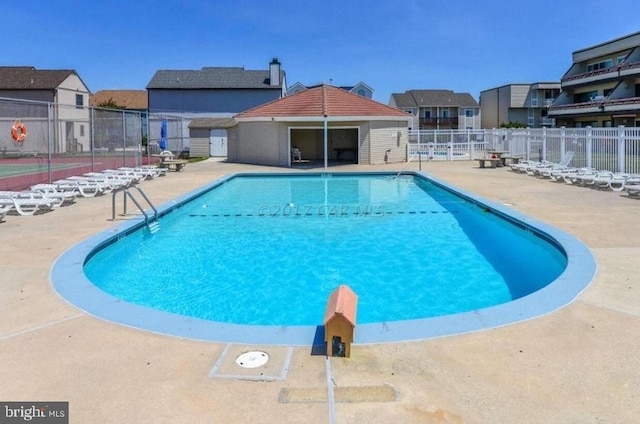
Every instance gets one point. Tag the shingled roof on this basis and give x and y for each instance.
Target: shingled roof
(128, 99)
(433, 98)
(323, 101)
(213, 77)
(30, 78)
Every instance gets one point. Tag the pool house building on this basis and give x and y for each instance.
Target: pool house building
(325, 124)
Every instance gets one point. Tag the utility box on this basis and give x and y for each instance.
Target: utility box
(340, 321)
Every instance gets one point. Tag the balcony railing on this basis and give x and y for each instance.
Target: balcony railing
(616, 71)
(589, 74)
(438, 122)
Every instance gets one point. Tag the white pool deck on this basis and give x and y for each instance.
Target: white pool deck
(579, 364)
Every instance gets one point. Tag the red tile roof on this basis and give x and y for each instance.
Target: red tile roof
(343, 301)
(323, 101)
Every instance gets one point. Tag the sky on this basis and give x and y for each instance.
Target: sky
(392, 46)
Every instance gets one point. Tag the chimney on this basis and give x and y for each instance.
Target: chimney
(274, 72)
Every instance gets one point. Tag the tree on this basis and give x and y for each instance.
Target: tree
(110, 104)
(512, 125)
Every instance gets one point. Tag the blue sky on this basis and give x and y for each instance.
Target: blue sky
(393, 46)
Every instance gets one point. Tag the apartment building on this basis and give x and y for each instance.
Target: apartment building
(602, 86)
(438, 109)
(523, 104)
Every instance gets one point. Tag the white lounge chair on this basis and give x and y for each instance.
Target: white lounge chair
(559, 175)
(156, 170)
(67, 195)
(27, 202)
(544, 169)
(522, 165)
(115, 180)
(633, 189)
(580, 176)
(133, 176)
(143, 173)
(4, 210)
(615, 181)
(85, 188)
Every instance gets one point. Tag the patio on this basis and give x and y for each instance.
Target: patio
(578, 364)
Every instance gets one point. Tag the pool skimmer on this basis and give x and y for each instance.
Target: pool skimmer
(252, 359)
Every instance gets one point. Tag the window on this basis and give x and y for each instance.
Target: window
(551, 94)
(361, 92)
(584, 97)
(79, 101)
(468, 113)
(81, 130)
(427, 114)
(605, 64)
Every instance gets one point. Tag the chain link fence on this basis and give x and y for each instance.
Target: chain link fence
(43, 142)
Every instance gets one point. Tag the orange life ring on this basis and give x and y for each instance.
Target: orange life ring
(19, 131)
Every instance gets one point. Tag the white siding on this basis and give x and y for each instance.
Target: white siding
(199, 143)
(259, 143)
(388, 135)
(71, 118)
(519, 95)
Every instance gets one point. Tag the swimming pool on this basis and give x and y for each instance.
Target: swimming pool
(281, 236)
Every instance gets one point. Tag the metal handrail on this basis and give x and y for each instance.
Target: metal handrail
(126, 193)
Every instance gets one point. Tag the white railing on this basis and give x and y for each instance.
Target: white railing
(446, 145)
(613, 149)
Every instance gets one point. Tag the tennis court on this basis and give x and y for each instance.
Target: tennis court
(21, 173)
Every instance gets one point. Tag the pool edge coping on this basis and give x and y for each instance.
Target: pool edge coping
(69, 282)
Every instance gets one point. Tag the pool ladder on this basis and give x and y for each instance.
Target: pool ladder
(407, 164)
(150, 220)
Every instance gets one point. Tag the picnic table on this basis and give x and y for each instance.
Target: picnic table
(493, 162)
(168, 161)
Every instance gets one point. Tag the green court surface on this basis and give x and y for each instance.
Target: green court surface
(14, 169)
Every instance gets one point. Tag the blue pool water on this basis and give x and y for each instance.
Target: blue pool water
(268, 250)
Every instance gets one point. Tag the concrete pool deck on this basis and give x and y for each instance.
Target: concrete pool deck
(579, 364)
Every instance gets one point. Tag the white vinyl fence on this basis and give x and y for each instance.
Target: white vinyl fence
(613, 149)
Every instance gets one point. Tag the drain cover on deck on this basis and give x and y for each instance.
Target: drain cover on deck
(252, 359)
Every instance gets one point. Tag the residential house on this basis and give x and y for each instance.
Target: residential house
(524, 104)
(321, 125)
(215, 91)
(64, 90)
(602, 86)
(212, 92)
(130, 100)
(361, 89)
(438, 109)
(135, 100)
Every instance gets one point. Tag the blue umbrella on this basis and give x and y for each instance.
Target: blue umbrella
(163, 135)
